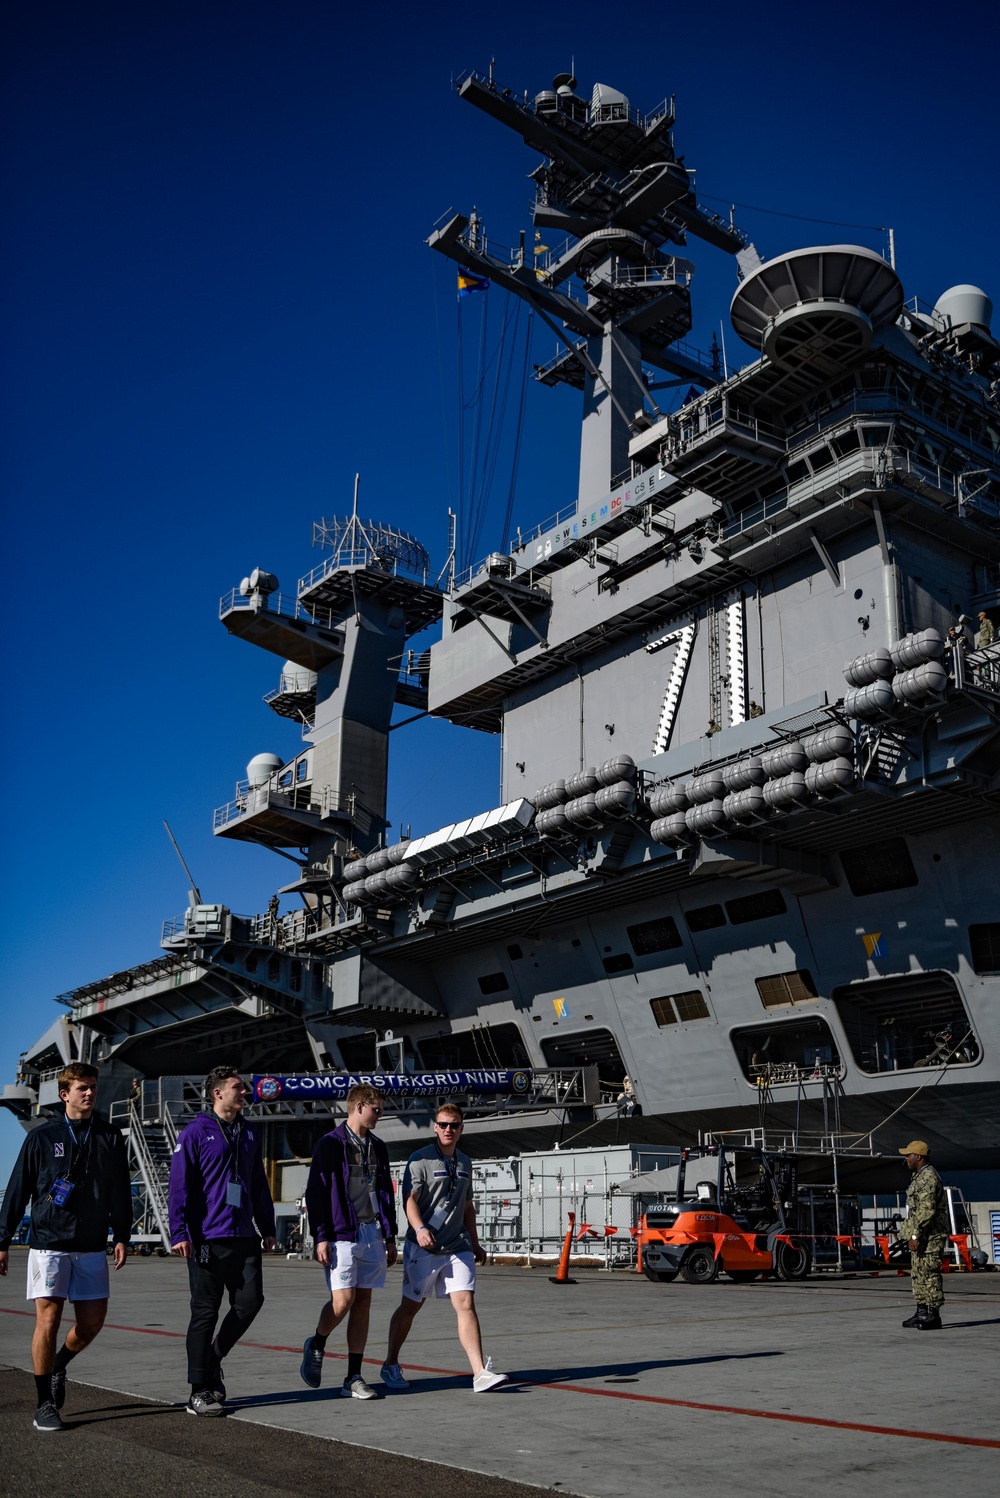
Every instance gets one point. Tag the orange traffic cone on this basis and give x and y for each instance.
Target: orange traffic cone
(561, 1276)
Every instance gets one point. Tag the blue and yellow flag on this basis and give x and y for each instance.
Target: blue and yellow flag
(468, 283)
(874, 945)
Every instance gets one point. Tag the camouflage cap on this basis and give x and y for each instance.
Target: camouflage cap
(915, 1147)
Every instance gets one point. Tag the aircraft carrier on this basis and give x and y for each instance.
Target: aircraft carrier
(743, 870)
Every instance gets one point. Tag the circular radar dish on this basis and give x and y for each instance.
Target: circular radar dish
(817, 307)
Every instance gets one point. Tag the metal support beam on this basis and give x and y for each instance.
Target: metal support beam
(825, 558)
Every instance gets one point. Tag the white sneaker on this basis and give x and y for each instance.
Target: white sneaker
(356, 1388)
(392, 1376)
(487, 1380)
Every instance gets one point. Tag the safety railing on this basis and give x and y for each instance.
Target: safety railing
(281, 604)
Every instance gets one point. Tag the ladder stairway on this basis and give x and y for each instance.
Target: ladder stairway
(150, 1146)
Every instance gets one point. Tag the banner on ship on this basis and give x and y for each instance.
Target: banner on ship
(333, 1086)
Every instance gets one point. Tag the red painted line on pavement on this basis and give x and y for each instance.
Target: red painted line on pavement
(661, 1399)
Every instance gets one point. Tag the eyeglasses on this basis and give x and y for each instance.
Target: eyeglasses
(446, 1125)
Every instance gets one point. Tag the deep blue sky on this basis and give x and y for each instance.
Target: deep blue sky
(217, 305)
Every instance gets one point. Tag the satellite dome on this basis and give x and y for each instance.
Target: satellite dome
(964, 304)
(262, 767)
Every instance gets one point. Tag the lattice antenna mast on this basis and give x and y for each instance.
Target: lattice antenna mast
(614, 293)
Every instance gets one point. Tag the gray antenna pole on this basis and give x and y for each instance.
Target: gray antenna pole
(194, 893)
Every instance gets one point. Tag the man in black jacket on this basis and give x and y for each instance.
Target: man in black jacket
(74, 1170)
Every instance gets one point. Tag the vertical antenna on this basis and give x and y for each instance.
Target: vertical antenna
(892, 248)
(725, 366)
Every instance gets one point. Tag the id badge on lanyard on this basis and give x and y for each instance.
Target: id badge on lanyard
(60, 1192)
(234, 1194)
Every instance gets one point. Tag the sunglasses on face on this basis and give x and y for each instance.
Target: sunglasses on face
(447, 1125)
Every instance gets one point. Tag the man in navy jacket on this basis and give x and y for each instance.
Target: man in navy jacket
(220, 1209)
(74, 1169)
(352, 1214)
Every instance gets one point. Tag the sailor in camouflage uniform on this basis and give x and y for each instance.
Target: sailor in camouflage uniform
(927, 1229)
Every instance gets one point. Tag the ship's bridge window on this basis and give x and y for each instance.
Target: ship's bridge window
(679, 1006)
(654, 936)
(483, 1046)
(820, 459)
(876, 436)
(984, 941)
(592, 1048)
(756, 907)
(493, 983)
(791, 1051)
(877, 867)
(796, 472)
(302, 769)
(917, 1020)
(780, 989)
(846, 442)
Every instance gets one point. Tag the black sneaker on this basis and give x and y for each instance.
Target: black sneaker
(47, 1418)
(59, 1388)
(311, 1369)
(205, 1405)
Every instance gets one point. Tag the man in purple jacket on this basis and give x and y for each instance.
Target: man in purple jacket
(220, 1208)
(352, 1214)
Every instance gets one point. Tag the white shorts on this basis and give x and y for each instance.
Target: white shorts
(54, 1274)
(426, 1274)
(360, 1265)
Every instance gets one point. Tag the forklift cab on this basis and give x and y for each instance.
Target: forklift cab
(739, 1224)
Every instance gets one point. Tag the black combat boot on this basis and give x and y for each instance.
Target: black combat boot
(930, 1319)
(917, 1317)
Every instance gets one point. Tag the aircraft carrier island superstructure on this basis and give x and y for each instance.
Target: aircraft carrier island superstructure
(744, 868)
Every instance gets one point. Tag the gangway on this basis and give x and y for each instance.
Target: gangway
(150, 1136)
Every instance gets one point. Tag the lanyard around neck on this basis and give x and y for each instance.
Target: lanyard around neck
(364, 1149)
(81, 1143)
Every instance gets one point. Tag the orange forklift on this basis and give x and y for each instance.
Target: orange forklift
(746, 1223)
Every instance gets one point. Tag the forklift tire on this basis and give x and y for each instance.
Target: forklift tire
(700, 1267)
(743, 1276)
(791, 1261)
(660, 1276)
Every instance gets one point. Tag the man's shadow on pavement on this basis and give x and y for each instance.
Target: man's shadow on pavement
(611, 1372)
(440, 1383)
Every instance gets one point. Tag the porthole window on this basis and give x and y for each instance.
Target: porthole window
(654, 936)
(779, 989)
(494, 983)
(757, 907)
(689, 1005)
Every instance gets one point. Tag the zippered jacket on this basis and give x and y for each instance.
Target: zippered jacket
(203, 1166)
(332, 1217)
(101, 1195)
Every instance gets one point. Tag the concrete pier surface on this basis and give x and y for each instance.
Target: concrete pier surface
(618, 1386)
